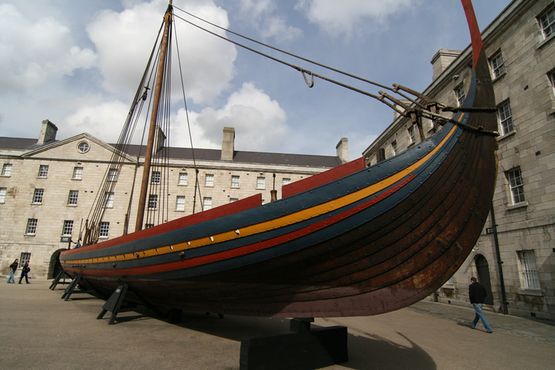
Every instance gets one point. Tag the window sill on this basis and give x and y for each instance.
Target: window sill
(29, 234)
(506, 136)
(531, 292)
(72, 179)
(36, 204)
(517, 206)
(545, 41)
(181, 184)
(5, 175)
(499, 78)
(72, 205)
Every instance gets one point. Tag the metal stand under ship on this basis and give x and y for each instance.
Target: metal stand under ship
(354, 240)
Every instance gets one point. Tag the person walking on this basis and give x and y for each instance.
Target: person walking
(24, 272)
(477, 294)
(11, 273)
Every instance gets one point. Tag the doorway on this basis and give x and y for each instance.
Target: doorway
(483, 276)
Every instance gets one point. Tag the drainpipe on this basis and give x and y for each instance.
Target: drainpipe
(504, 302)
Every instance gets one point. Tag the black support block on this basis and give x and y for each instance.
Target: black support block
(313, 348)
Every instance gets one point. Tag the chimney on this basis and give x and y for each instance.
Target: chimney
(47, 132)
(228, 144)
(441, 60)
(342, 149)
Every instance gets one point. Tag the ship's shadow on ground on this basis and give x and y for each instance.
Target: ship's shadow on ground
(366, 350)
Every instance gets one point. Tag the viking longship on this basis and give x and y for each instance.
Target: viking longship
(354, 240)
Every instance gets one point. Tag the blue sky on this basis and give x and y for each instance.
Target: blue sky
(77, 63)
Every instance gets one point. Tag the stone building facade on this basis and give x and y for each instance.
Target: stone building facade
(47, 187)
(520, 44)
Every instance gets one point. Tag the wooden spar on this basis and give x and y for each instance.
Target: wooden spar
(153, 118)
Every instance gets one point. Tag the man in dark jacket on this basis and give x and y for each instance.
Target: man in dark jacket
(477, 294)
(24, 272)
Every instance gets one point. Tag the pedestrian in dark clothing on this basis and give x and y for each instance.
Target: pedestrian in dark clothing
(477, 294)
(11, 273)
(24, 271)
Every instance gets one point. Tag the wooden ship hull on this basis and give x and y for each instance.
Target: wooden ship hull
(354, 240)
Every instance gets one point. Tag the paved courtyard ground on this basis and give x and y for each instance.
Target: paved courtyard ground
(38, 330)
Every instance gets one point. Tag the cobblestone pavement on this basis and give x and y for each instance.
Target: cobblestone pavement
(41, 331)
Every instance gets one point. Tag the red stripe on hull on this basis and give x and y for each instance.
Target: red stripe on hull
(226, 209)
(323, 178)
(237, 252)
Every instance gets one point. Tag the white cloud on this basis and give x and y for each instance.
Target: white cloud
(259, 122)
(344, 17)
(262, 15)
(103, 120)
(35, 51)
(124, 40)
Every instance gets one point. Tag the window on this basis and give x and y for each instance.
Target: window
(43, 171)
(67, 229)
(2, 195)
(180, 203)
(148, 226)
(104, 229)
(528, 272)
(182, 179)
(73, 197)
(459, 93)
(261, 182)
(77, 173)
(285, 181)
(109, 199)
(235, 182)
(37, 196)
(7, 169)
(394, 147)
(155, 177)
(412, 135)
(113, 175)
(547, 21)
(209, 180)
(497, 65)
(551, 76)
(24, 258)
(206, 203)
(516, 186)
(83, 147)
(381, 155)
(505, 117)
(31, 228)
(152, 201)
(231, 200)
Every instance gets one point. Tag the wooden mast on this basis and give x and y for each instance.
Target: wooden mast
(154, 116)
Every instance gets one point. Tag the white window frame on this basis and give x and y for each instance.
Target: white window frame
(231, 199)
(546, 21)
(67, 228)
(394, 148)
(505, 117)
(460, 94)
(516, 185)
(206, 203)
(38, 196)
(73, 197)
(113, 175)
(31, 227)
(180, 203)
(109, 199)
(209, 180)
(527, 269)
(412, 134)
(43, 171)
(235, 181)
(3, 192)
(7, 170)
(551, 77)
(497, 65)
(152, 201)
(260, 182)
(155, 177)
(103, 229)
(285, 181)
(77, 173)
(182, 178)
